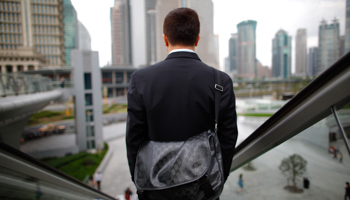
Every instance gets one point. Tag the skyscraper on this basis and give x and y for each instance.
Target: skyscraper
(281, 55)
(300, 53)
(232, 53)
(31, 27)
(71, 33)
(121, 33)
(227, 65)
(262, 71)
(139, 38)
(84, 38)
(312, 67)
(347, 27)
(247, 49)
(216, 52)
(328, 44)
(204, 9)
(151, 31)
(48, 29)
(341, 46)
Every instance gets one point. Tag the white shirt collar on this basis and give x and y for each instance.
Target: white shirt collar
(182, 50)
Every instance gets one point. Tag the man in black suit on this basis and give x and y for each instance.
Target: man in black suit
(173, 100)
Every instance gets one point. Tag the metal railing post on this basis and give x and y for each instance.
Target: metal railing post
(341, 129)
(3, 89)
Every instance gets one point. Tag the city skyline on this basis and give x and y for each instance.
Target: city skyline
(301, 14)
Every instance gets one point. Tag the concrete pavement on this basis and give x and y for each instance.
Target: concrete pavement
(327, 176)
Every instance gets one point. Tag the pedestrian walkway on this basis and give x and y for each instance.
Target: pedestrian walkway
(327, 176)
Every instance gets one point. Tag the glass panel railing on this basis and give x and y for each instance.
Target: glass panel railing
(23, 177)
(281, 174)
(17, 84)
(15, 185)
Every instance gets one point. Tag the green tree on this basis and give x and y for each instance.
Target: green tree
(293, 167)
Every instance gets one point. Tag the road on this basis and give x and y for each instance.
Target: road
(70, 124)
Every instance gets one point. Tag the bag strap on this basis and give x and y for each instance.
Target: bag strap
(218, 90)
(204, 182)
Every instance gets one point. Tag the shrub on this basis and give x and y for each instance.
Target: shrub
(89, 161)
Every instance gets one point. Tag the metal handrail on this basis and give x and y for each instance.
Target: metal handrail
(21, 163)
(313, 103)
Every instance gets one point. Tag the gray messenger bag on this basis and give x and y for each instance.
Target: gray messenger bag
(185, 170)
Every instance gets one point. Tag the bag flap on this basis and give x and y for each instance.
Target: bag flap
(162, 165)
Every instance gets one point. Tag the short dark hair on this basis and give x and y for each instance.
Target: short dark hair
(181, 26)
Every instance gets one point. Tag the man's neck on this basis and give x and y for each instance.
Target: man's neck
(171, 47)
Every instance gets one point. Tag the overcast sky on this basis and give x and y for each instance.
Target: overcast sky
(271, 16)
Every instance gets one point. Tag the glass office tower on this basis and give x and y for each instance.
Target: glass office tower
(328, 44)
(247, 49)
(300, 53)
(70, 22)
(232, 52)
(282, 55)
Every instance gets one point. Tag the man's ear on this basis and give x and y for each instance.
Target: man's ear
(166, 40)
(199, 37)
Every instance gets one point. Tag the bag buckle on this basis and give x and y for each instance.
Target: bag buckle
(203, 179)
(219, 87)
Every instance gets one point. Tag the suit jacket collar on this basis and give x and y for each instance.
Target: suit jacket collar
(183, 55)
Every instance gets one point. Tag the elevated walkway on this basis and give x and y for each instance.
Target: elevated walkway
(22, 95)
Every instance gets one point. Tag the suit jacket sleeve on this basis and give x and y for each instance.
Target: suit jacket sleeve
(136, 127)
(227, 127)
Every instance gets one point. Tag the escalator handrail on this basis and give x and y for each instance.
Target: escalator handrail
(38, 164)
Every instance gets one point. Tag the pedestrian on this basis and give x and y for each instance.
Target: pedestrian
(240, 183)
(173, 100)
(341, 157)
(335, 153)
(347, 191)
(62, 82)
(127, 194)
(98, 179)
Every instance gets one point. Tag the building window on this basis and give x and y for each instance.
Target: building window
(90, 131)
(110, 92)
(119, 77)
(106, 77)
(90, 144)
(129, 76)
(87, 81)
(120, 92)
(89, 115)
(88, 99)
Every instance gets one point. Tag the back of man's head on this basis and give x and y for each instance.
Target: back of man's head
(181, 26)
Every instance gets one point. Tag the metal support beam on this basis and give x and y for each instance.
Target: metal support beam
(341, 129)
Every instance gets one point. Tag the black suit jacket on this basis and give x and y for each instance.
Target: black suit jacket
(173, 100)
